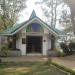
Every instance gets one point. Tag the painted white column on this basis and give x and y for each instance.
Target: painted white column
(21, 46)
(23, 49)
(49, 42)
(45, 45)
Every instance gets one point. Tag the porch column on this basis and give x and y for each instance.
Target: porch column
(22, 43)
(45, 45)
(52, 42)
(14, 42)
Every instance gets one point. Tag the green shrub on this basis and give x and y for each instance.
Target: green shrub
(65, 48)
(4, 47)
(61, 54)
(71, 47)
(4, 50)
(64, 68)
(59, 50)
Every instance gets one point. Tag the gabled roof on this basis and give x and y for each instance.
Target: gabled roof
(14, 29)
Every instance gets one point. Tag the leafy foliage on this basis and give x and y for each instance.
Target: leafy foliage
(65, 48)
(65, 20)
(68, 49)
(72, 46)
(71, 4)
(9, 12)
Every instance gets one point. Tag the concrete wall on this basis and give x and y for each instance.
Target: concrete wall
(46, 44)
(19, 44)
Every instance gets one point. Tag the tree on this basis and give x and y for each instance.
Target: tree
(50, 10)
(71, 4)
(65, 22)
(9, 12)
(65, 19)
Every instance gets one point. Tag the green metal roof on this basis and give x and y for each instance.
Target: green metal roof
(12, 29)
(33, 15)
(58, 31)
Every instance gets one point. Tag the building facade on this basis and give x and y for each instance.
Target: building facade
(31, 37)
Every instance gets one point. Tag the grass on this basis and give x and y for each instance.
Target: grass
(72, 72)
(27, 68)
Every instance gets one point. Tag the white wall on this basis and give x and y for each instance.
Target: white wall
(23, 46)
(49, 41)
(46, 44)
(19, 44)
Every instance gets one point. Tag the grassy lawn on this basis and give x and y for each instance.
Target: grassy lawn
(27, 68)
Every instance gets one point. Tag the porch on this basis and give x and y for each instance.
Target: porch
(24, 44)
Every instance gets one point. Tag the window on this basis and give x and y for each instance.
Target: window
(34, 27)
(23, 41)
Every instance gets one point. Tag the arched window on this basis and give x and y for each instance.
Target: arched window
(34, 27)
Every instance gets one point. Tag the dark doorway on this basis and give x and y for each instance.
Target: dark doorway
(34, 44)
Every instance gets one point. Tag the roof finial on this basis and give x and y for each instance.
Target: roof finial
(33, 14)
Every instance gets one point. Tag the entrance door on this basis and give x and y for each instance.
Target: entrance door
(34, 44)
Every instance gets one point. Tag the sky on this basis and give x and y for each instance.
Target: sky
(25, 14)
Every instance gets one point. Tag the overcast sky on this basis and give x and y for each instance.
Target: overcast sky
(25, 14)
